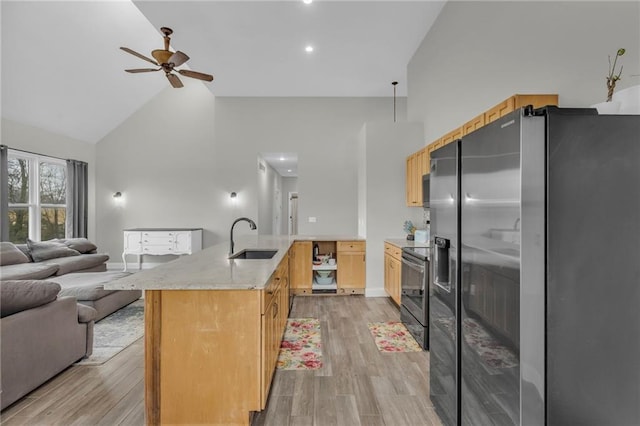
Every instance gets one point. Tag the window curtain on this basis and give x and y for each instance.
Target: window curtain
(4, 193)
(77, 198)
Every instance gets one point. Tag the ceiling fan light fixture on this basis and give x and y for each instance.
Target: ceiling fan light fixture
(162, 56)
(167, 61)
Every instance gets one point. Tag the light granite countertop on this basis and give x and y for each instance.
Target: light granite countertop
(210, 269)
(403, 242)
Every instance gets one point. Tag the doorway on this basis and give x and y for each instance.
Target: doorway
(293, 213)
(277, 182)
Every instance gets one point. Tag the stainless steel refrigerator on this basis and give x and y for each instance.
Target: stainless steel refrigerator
(535, 278)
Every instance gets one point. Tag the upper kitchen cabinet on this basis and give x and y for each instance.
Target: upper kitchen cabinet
(451, 136)
(417, 165)
(473, 124)
(415, 169)
(518, 101)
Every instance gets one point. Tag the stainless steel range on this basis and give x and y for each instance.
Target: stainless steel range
(414, 309)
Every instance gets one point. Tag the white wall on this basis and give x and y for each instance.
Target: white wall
(479, 53)
(322, 131)
(384, 148)
(177, 159)
(28, 138)
(163, 160)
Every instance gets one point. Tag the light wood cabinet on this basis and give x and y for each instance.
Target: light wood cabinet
(393, 271)
(351, 259)
(418, 165)
(225, 341)
(300, 267)
(451, 136)
(518, 101)
(414, 199)
(473, 124)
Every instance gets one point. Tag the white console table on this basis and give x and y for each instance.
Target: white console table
(160, 241)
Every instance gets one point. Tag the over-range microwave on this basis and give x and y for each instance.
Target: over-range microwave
(425, 191)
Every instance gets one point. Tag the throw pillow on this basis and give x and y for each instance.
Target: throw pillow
(11, 255)
(17, 296)
(80, 244)
(51, 249)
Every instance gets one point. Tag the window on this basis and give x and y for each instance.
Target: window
(37, 197)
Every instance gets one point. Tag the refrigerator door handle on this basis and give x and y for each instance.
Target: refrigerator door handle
(441, 264)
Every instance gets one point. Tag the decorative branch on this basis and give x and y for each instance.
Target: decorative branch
(613, 78)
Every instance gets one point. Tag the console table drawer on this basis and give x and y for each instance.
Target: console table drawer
(158, 234)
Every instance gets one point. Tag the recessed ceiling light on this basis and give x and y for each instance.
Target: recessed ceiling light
(308, 49)
(281, 158)
(289, 171)
(307, 1)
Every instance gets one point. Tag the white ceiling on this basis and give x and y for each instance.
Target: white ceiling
(62, 69)
(285, 163)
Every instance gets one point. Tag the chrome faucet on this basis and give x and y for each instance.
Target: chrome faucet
(515, 225)
(252, 225)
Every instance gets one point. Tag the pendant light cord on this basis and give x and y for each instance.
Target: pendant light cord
(394, 84)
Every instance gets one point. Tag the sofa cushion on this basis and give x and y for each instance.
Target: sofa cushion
(76, 263)
(17, 296)
(87, 285)
(25, 249)
(11, 255)
(27, 271)
(43, 250)
(81, 245)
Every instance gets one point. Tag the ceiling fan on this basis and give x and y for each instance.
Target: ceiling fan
(167, 60)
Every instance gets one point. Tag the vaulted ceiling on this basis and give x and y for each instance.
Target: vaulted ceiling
(62, 69)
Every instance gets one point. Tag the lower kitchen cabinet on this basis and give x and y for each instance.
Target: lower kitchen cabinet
(393, 271)
(300, 267)
(225, 341)
(351, 260)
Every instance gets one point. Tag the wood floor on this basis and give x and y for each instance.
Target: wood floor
(358, 385)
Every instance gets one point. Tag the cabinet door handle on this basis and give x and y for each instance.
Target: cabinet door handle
(276, 308)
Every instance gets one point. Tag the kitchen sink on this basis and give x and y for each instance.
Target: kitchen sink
(256, 254)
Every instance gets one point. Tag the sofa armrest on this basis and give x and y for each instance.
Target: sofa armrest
(86, 313)
(39, 343)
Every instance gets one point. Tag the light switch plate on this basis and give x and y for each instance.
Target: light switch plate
(312, 219)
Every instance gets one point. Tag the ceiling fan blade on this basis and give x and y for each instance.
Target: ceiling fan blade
(195, 74)
(174, 80)
(143, 70)
(139, 55)
(178, 58)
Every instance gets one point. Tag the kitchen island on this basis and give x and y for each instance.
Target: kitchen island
(213, 328)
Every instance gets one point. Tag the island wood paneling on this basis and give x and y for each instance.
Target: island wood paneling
(206, 362)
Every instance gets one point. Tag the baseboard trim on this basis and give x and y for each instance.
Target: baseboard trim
(375, 292)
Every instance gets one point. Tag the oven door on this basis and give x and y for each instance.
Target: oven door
(414, 272)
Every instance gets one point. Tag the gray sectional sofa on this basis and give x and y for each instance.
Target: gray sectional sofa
(67, 262)
(42, 334)
(51, 293)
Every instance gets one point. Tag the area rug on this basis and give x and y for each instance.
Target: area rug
(393, 336)
(493, 353)
(301, 347)
(115, 332)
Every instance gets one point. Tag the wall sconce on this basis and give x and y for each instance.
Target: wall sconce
(118, 198)
(233, 195)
